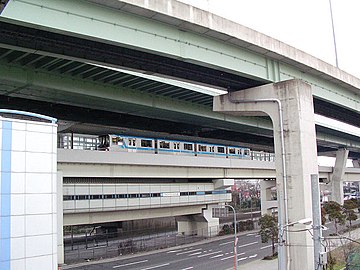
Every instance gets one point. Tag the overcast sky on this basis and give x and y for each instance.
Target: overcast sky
(304, 24)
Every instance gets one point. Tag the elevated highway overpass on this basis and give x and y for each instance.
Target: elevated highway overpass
(89, 63)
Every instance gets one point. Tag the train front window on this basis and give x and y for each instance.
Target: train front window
(104, 141)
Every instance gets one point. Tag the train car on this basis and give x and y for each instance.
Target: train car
(124, 143)
(172, 147)
(214, 150)
(238, 152)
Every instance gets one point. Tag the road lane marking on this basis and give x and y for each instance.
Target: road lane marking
(267, 246)
(226, 243)
(189, 251)
(216, 256)
(249, 244)
(194, 254)
(177, 250)
(188, 268)
(232, 256)
(121, 265)
(209, 254)
(156, 266)
(241, 259)
(253, 256)
(251, 234)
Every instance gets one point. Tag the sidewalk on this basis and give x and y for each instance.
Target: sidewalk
(260, 265)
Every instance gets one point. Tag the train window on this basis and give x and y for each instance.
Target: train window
(68, 197)
(176, 145)
(120, 141)
(238, 152)
(155, 194)
(231, 150)
(131, 142)
(184, 193)
(164, 144)
(247, 152)
(202, 148)
(146, 143)
(221, 149)
(133, 195)
(96, 197)
(114, 140)
(188, 146)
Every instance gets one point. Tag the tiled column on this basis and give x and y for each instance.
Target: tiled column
(28, 195)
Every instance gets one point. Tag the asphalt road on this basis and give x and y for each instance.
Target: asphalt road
(214, 255)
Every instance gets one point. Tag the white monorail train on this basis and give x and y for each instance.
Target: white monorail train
(125, 143)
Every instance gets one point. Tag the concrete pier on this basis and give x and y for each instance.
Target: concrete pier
(290, 107)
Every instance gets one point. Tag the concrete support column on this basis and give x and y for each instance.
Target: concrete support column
(267, 205)
(295, 153)
(356, 163)
(337, 192)
(202, 225)
(60, 227)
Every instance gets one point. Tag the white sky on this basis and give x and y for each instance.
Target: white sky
(304, 24)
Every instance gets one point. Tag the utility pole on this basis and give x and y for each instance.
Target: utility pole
(315, 192)
(235, 238)
(333, 31)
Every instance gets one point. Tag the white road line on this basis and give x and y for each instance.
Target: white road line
(227, 258)
(241, 259)
(256, 236)
(177, 250)
(251, 234)
(253, 256)
(232, 256)
(209, 254)
(249, 244)
(216, 256)
(156, 266)
(189, 251)
(121, 265)
(266, 246)
(194, 254)
(187, 268)
(226, 243)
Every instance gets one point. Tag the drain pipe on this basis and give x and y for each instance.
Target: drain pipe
(283, 202)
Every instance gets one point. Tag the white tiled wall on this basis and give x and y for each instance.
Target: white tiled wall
(33, 221)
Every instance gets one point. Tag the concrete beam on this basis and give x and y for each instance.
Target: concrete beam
(290, 106)
(114, 216)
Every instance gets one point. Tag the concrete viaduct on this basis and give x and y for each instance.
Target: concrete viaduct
(127, 64)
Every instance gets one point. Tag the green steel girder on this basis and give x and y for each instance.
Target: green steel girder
(40, 85)
(95, 22)
(66, 89)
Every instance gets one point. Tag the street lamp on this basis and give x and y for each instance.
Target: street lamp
(235, 238)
